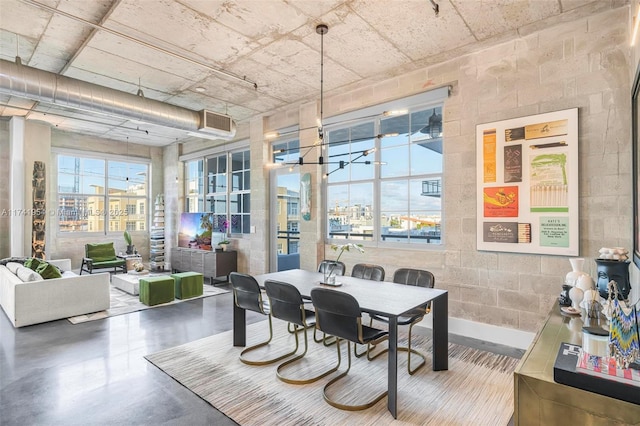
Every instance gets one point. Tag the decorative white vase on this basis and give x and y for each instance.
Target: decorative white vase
(576, 271)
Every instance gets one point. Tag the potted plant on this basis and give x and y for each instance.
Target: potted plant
(127, 239)
(224, 225)
(329, 273)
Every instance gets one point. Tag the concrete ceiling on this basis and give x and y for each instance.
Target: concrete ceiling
(171, 48)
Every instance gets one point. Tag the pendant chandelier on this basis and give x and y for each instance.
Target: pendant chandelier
(323, 29)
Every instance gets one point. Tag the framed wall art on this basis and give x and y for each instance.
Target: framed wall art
(527, 184)
(635, 131)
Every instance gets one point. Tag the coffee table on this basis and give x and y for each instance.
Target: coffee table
(130, 282)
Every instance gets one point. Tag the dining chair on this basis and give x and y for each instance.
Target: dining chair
(338, 314)
(368, 271)
(247, 295)
(415, 277)
(338, 267)
(287, 304)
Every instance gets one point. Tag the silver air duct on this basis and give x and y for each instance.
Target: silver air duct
(43, 86)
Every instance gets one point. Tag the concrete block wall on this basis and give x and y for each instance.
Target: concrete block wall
(582, 64)
(173, 196)
(586, 63)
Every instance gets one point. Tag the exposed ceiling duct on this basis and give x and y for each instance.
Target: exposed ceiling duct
(43, 86)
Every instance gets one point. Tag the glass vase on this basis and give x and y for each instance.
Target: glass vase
(329, 274)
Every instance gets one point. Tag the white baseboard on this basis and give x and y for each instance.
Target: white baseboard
(481, 331)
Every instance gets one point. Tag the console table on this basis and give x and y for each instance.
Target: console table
(211, 264)
(539, 400)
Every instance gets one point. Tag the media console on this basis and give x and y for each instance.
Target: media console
(211, 264)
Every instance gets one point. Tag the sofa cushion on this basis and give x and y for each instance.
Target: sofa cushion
(48, 271)
(101, 252)
(109, 263)
(33, 263)
(13, 267)
(27, 275)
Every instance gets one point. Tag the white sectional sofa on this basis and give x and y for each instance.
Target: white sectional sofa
(27, 303)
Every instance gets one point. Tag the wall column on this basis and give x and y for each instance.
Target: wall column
(17, 184)
(311, 235)
(259, 248)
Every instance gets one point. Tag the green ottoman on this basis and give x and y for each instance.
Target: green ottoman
(188, 284)
(156, 290)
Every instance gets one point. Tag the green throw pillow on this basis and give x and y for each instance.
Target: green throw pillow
(33, 263)
(48, 271)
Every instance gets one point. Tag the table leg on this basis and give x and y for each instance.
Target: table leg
(392, 369)
(239, 326)
(440, 354)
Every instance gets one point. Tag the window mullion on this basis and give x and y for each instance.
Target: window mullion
(376, 187)
(107, 199)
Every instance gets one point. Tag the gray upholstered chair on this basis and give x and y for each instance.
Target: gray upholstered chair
(420, 278)
(368, 271)
(247, 295)
(338, 314)
(287, 304)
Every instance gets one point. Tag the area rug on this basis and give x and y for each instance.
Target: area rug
(477, 389)
(125, 303)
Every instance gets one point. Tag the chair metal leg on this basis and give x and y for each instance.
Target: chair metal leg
(297, 358)
(265, 343)
(370, 347)
(410, 351)
(340, 405)
(407, 349)
(325, 340)
(291, 327)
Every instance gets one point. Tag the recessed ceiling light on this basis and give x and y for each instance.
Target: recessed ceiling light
(200, 89)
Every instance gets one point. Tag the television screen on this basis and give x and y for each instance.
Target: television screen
(195, 231)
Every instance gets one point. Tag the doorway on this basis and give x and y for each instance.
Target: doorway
(285, 220)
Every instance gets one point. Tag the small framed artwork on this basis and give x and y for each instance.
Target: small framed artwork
(635, 131)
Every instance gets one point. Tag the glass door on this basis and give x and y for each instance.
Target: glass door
(285, 219)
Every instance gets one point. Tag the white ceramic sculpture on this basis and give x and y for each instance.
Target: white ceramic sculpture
(576, 295)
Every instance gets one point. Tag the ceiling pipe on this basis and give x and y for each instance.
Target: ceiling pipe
(43, 86)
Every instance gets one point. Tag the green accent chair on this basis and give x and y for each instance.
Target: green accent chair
(188, 284)
(156, 290)
(102, 256)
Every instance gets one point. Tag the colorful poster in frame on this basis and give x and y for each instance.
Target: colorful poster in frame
(527, 184)
(635, 117)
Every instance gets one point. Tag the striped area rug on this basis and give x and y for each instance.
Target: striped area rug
(125, 303)
(477, 389)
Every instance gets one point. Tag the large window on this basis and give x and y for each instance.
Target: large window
(384, 179)
(225, 191)
(93, 192)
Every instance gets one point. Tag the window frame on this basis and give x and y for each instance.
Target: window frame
(203, 196)
(106, 158)
(425, 101)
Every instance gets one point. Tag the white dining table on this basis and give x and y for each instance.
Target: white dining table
(382, 298)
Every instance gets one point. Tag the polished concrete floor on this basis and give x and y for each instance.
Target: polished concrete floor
(95, 373)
